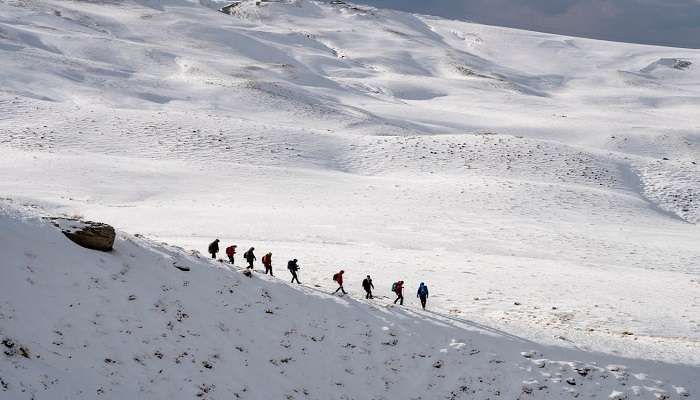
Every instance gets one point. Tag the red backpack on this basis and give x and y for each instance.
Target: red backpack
(230, 250)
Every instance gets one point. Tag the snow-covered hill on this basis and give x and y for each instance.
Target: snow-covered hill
(81, 324)
(501, 166)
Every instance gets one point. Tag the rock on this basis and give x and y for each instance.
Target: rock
(88, 234)
(530, 386)
(181, 267)
(682, 64)
(528, 354)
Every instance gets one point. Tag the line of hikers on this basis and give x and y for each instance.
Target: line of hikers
(293, 267)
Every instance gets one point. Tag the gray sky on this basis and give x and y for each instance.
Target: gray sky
(664, 22)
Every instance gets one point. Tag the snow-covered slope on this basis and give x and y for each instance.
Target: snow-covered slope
(500, 166)
(82, 324)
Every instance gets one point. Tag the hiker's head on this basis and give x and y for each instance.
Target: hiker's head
(342, 272)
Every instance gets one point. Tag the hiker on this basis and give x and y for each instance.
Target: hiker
(250, 257)
(230, 252)
(338, 278)
(397, 288)
(214, 248)
(293, 268)
(267, 262)
(422, 294)
(368, 286)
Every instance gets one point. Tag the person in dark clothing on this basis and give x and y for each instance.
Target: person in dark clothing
(368, 286)
(422, 294)
(398, 289)
(267, 262)
(214, 248)
(250, 257)
(293, 267)
(230, 252)
(338, 278)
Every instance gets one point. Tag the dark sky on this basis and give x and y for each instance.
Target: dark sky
(665, 22)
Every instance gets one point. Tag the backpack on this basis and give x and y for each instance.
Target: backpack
(393, 286)
(335, 277)
(423, 290)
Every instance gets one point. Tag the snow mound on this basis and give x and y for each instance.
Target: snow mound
(130, 324)
(673, 63)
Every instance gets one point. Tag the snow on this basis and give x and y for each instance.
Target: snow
(128, 324)
(544, 187)
(67, 225)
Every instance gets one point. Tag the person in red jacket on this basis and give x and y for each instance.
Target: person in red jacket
(339, 280)
(398, 289)
(230, 252)
(267, 262)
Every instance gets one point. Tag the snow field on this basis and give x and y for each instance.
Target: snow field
(497, 165)
(87, 324)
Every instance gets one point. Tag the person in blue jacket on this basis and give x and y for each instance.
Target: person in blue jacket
(423, 294)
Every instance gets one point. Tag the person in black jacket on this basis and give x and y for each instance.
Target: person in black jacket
(214, 248)
(368, 286)
(293, 267)
(250, 257)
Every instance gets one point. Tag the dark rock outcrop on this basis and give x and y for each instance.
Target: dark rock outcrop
(88, 234)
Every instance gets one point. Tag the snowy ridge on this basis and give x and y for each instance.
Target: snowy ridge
(85, 324)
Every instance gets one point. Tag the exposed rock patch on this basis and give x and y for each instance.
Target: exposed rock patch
(88, 234)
